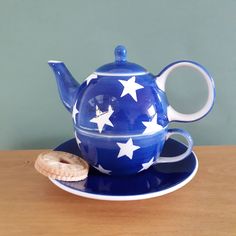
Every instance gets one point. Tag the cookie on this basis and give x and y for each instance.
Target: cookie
(62, 166)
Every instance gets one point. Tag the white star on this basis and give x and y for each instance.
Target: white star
(101, 169)
(91, 77)
(151, 110)
(98, 111)
(147, 165)
(130, 87)
(152, 126)
(127, 149)
(77, 139)
(102, 118)
(74, 112)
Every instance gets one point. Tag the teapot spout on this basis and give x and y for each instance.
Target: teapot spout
(67, 86)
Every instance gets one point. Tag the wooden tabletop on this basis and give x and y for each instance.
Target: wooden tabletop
(31, 205)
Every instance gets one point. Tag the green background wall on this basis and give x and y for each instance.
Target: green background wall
(84, 33)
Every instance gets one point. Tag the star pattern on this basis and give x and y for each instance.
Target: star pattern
(147, 165)
(102, 118)
(152, 126)
(74, 112)
(130, 87)
(91, 77)
(101, 169)
(127, 149)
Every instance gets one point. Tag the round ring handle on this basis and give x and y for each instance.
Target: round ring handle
(174, 115)
(180, 157)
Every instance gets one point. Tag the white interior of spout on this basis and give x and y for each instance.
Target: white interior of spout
(52, 61)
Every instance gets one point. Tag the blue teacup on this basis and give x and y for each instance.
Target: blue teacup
(125, 155)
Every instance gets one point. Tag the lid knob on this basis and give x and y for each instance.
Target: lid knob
(120, 54)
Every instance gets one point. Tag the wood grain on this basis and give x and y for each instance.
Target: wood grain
(31, 205)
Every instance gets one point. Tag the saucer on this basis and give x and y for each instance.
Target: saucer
(158, 180)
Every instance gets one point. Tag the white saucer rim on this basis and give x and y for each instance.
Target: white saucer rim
(129, 197)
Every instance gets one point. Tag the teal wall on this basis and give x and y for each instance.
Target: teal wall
(84, 33)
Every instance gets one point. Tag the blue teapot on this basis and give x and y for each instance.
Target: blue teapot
(121, 113)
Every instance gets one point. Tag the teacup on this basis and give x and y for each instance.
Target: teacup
(125, 155)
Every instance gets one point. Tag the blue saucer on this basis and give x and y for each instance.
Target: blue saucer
(158, 180)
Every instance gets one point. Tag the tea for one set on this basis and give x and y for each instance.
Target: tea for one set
(120, 115)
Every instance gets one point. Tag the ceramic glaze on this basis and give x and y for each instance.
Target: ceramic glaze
(121, 113)
(118, 105)
(158, 180)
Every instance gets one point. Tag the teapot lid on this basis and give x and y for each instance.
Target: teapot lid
(121, 67)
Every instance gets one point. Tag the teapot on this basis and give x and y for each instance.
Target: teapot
(121, 113)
